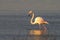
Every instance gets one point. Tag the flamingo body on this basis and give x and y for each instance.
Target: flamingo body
(39, 20)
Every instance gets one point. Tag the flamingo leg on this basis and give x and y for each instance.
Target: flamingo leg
(45, 29)
(39, 26)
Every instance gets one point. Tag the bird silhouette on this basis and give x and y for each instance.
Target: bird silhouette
(39, 21)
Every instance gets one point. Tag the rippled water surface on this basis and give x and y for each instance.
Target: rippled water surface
(17, 27)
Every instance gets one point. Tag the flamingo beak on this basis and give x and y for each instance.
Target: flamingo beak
(28, 15)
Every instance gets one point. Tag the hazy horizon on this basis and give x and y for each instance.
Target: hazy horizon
(22, 6)
(30, 4)
(25, 12)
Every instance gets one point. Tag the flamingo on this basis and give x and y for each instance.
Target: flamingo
(39, 21)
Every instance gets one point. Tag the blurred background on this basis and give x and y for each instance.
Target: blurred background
(15, 24)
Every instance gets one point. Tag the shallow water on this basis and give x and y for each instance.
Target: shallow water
(17, 27)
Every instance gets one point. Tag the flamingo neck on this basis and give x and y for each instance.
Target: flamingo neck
(31, 21)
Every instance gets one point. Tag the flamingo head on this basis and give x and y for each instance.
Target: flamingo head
(30, 12)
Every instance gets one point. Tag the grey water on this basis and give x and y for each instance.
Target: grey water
(17, 27)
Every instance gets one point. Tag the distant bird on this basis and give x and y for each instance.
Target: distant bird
(39, 21)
